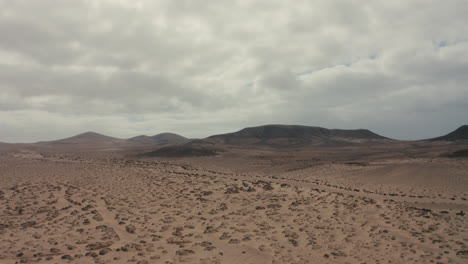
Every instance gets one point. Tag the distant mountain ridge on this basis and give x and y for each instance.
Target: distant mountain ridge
(296, 135)
(280, 135)
(87, 137)
(96, 138)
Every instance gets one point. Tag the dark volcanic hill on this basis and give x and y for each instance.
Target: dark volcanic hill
(460, 133)
(88, 138)
(296, 135)
(159, 139)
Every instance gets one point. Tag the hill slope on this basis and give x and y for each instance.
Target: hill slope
(159, 139)
(296, 135)
(460, 133)
(88, 138)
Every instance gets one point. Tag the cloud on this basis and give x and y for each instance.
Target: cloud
(134, 67)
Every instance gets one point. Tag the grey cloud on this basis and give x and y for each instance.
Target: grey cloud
(142, 66)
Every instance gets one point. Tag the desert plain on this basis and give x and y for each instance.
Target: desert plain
(99, 200)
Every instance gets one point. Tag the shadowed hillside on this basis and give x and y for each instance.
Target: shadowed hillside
(296, 135)
(184, 150)
(460, 133)
(159, 139)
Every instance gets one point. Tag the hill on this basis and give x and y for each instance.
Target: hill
(460, 133)
(88, 138)
(159, 139)
(296, 135)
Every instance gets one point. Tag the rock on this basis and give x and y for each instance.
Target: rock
(225, 236)
(274, 206)
(87, 207)
(92, 254)
(130, 229)
(184, 252)
(250, 189)
(104, 251)
(99, 245)
(28, 224)
(293, 242)
(98, 217)
(210, 229)
(290, 234)
(54, 250)
(232, 190)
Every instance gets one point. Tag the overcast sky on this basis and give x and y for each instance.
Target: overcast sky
(197, 68)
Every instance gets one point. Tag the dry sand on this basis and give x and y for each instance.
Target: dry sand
(240, 207)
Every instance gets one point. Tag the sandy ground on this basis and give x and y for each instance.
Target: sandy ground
(239, 209)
